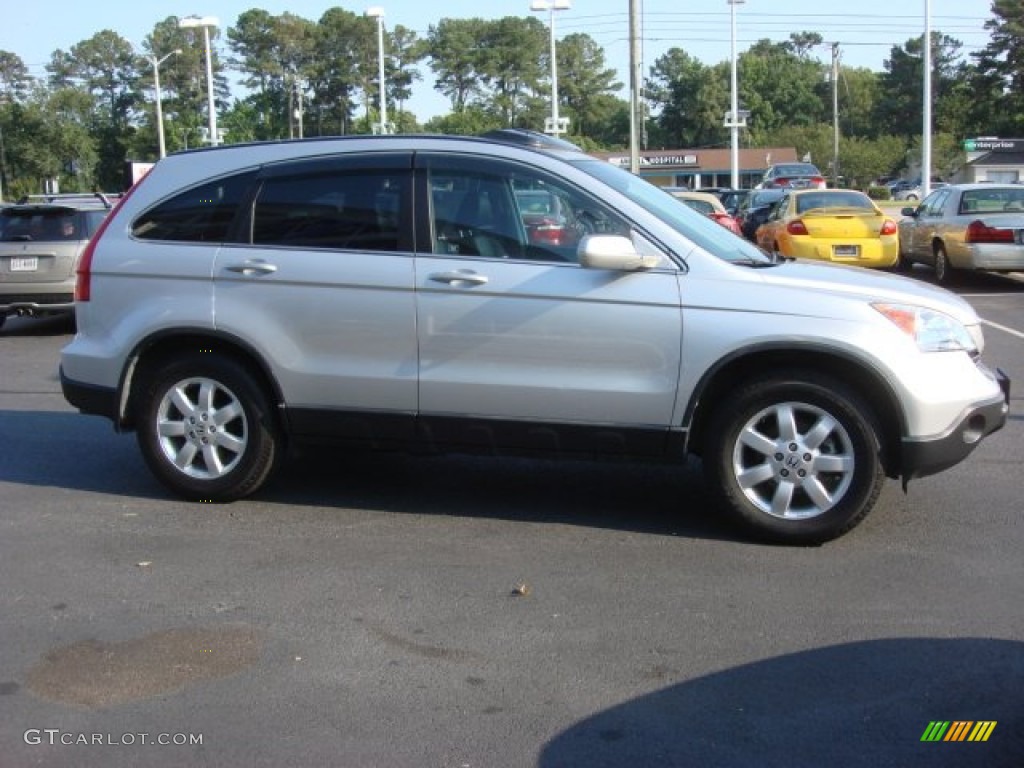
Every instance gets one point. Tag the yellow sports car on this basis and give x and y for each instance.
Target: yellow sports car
(840, 225)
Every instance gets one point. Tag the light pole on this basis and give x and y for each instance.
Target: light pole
(733, 123)
(155, 62)
(376, 12)
(206, 23)
(557, 124)
(926, 107)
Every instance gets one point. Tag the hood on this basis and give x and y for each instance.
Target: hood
(867, 285)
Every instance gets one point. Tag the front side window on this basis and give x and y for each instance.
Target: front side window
(345, 210)
(512, 213)
(201, 214)
(933, 204)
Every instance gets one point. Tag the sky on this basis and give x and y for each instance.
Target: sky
(699, 27)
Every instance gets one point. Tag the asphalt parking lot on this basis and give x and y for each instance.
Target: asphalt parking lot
(382, 610)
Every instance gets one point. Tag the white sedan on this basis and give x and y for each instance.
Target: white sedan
(966, 227)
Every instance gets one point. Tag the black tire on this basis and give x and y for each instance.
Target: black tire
(944, 272)
(903, 261)
(804, 485)
(206, 428)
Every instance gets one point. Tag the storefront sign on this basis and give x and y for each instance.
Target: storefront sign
(656, 161)
(994, 145)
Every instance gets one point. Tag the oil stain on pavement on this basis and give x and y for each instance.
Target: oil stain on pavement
(94, 674)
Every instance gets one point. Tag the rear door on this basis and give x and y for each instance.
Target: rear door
(323, 288)
(514, 332)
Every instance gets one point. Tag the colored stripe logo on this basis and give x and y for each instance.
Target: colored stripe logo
(958, 730)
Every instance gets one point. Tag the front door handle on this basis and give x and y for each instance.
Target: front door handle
(252, 267)
(459, 276)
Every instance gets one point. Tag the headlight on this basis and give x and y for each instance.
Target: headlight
(933, 331)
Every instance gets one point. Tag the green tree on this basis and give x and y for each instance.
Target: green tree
(858, 96)
(15, 80)
(1000, 70)
(690, 99)
(407, 50)
(107, 68)
(512, 50)
(341, 47)
(901, 111)
(586, 86)
(779, 87)
(454, 50)
(473, 120)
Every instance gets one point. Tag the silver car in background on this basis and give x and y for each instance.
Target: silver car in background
(965, 227)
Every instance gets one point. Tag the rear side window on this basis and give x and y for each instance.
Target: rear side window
(344, 210)
(201, 214)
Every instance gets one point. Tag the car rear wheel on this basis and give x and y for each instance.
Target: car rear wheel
(795, 458)
(943, 269)
(206, 428)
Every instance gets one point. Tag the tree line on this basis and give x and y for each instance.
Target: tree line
(93, 108)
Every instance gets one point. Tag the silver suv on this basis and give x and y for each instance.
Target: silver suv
(386, 291)
(41, 240)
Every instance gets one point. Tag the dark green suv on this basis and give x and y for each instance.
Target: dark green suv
(41, 240)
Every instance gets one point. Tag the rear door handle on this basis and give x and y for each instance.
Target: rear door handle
(252, 267)
(459, 276)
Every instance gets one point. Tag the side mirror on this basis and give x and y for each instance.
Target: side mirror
(909, 212)
(612, 252)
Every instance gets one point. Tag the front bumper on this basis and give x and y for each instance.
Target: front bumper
(927, 457)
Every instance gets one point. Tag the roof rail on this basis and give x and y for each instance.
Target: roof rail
(103, 197)
(527, 138)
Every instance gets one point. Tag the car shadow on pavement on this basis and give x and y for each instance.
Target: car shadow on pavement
(659, 498)
(859, 704)
(63, 449)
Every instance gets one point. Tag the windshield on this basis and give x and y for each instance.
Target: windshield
(701, 230)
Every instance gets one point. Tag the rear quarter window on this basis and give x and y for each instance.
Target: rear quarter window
(200, 214)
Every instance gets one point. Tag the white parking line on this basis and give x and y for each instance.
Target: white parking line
(1003, 328)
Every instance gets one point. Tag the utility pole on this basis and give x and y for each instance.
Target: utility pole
(835, 114)
(634, 86)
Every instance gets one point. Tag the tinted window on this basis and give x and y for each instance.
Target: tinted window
(201, 214)
(34, 224)
(518, 214)
(796, 169)
(828, 199)
(356, 210)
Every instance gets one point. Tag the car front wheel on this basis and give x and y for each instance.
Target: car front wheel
(795, 458)
(206, 428)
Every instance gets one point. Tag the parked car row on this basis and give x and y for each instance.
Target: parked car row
(957, 228)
